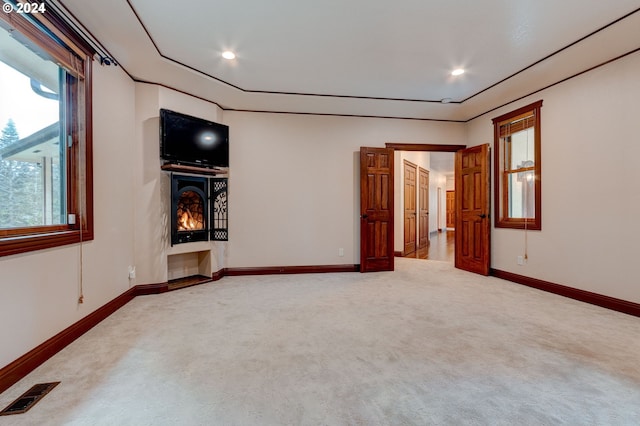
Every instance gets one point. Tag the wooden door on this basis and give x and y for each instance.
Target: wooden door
(472, 246)
(451, 209)
(409, 208)
(423, 201)
(376, 209)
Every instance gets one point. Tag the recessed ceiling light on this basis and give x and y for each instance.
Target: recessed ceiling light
(228, 55)
(457, 71)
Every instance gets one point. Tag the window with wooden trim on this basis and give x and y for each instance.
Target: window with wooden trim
(517, 169)
(45, 134)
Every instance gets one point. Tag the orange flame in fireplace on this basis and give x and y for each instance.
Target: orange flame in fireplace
(186, 222)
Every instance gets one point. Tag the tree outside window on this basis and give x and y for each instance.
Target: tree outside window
(45, 134)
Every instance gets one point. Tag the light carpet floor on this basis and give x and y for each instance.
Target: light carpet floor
(424, 345)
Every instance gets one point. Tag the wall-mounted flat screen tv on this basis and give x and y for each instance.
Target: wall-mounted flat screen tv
(193, 141)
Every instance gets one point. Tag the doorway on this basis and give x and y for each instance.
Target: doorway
(377, 243)
(434, 172)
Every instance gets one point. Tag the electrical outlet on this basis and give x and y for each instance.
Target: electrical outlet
(132, 272)
(340, 252)
(520, 260)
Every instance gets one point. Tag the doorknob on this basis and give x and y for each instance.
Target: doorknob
(482, 216)
(364, 216)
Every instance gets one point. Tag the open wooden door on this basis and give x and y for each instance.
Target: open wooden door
(376, 209)
(473, 204)
(423, 201)
(410, 208)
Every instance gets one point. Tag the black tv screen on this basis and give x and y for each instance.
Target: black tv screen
(193, 141)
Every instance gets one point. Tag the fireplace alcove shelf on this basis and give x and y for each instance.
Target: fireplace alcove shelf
(189, 264)
(177, 283)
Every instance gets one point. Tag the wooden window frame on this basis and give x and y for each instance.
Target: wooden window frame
(501, 197)
(49, 32)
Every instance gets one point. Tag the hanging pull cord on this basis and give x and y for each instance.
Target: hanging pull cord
(81, 202)
(81, 297)
(526, 207)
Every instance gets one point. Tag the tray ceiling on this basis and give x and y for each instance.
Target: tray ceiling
(361, 57)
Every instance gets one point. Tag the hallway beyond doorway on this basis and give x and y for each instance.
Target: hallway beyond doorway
(441, 247)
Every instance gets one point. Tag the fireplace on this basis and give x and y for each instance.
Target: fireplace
(189, 209)
(198, 209)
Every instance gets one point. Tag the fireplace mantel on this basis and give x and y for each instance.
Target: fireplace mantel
(204, 171)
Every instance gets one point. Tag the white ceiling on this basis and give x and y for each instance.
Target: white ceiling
(442, 162)
(361, 57)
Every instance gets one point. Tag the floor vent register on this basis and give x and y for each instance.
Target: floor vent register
(29, 399)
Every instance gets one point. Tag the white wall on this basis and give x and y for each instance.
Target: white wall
(590, 197)
(437, 180)
(39, 290)
(294, 183)
(451, 183)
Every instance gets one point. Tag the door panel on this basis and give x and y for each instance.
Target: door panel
(423, 201)
(409, 208)
(472, 179)
(376, 209)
